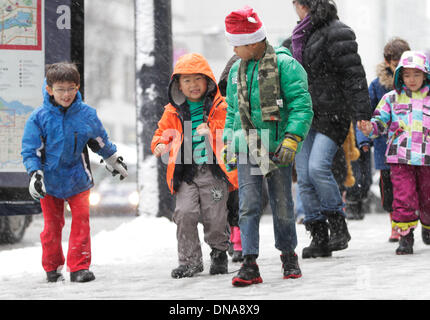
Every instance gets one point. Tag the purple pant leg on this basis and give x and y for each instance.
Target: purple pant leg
(405, 195)
(424, 194)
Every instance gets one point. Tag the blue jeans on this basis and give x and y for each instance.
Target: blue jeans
(298, 203)
(250, 208)
(319, 191)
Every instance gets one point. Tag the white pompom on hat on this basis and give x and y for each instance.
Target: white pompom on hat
(244, 27)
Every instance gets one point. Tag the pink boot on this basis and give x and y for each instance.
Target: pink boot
(237, 244)
(395, 236)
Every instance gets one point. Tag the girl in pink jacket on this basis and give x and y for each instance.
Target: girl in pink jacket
(404, 114)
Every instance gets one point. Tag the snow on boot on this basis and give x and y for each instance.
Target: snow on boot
(290, 264)
(248, 273)
(219, 262)
(319, 243)
(425, 234)
(82, 276)
(339, 235)
(237, 256)
(406, 244)
(54, 276)
(186, 271)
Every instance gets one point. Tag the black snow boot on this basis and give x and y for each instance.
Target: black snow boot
(82, 276)
(339, 235)
(425, 234)
(219, 262)
(290, 265)
(248, 273)
(319, 243)
(237, 256)
(54, 276)
(186, 271)
(354, 210)
(406, 244)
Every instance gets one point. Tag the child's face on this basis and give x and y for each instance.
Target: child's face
(64, 92)
(392, 64)
(193, 86)
(246, 52)
(413, 78)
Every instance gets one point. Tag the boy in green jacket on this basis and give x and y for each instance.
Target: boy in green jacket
(269, 113)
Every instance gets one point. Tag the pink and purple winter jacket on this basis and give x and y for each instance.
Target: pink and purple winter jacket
(405, 116)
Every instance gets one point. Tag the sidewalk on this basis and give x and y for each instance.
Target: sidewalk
(134, 262)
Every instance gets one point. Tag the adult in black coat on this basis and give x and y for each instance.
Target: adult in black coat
(327, 49)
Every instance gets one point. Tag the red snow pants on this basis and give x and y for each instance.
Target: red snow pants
(79, 252)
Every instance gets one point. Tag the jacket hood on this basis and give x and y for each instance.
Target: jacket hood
(190, 63)
(411, 59)
(282, 50)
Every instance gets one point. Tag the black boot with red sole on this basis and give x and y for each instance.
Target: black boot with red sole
(248, 273)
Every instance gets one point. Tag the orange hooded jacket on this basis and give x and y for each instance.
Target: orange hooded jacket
(171, 127)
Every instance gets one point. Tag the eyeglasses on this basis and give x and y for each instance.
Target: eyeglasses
(62, 91)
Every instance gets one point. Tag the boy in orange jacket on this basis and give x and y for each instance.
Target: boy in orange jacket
(190, 131)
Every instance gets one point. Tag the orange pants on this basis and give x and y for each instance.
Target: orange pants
(79, 252)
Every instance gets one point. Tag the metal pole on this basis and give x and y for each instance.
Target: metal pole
(154, 58)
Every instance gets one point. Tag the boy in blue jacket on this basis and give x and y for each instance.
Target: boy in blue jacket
(56, 158)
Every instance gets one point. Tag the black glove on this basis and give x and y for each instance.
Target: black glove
(37, 186)
(115, 165)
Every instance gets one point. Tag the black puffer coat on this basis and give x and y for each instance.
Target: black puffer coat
(336, 77)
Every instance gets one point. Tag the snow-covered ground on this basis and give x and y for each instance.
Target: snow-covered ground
(134, 261)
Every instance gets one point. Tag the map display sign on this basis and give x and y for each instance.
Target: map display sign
(22, 66)
(21, 26)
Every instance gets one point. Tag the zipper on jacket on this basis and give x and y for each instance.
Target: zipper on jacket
(276, 136)
(76, 142)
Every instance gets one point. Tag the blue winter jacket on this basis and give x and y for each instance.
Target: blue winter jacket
(55, 140)
(376, 92)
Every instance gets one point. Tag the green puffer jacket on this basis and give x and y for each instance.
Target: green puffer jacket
(296, 113)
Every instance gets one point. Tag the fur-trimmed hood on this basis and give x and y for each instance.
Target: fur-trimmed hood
(385, 76)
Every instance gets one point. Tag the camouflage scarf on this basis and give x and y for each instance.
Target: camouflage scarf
(270, 93)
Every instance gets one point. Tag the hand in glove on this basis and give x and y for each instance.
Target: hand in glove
(115, 165)
(229, 158)
(37, 186)
(286, 151)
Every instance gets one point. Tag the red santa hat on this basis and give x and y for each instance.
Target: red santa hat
(244, 27)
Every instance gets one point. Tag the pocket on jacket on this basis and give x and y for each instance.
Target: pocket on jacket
(402, 108)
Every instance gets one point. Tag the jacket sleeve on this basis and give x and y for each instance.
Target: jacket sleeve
(163, 132)
(343, 54)
(373, 94)
(294, 88)
(32, 144)
(231, 110)
(381, 119)
(99, 142)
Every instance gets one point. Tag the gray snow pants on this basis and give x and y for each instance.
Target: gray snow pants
(204, 200)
